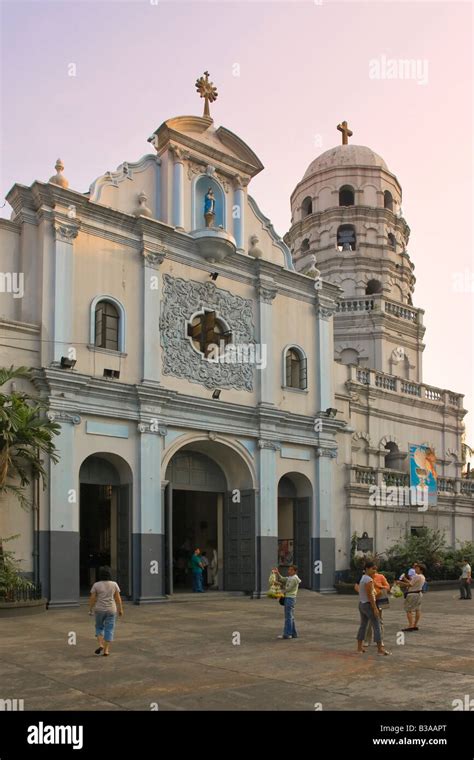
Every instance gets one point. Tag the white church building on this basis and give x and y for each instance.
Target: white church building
(216, 385)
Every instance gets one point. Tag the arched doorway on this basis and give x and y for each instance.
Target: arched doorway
(294, 525)
(210, 504)
(104, 520)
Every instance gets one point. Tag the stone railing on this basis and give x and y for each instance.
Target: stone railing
(365, 476)
(356, 304)
(403, 387)
(363, 376)
(385, 381)
(467, 487)
(378, 302)
(401, 311)
(369, 476)
(446, 485)
(393, 478)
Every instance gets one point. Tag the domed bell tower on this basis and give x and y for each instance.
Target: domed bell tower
(348, 228)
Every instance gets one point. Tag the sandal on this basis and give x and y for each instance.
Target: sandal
(385, 652)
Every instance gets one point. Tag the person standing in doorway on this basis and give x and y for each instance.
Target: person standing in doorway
(213, 569)
(368, 610)
(205, 570)
(465, 580)
(290, 585)
(105, 599)
(196, 568)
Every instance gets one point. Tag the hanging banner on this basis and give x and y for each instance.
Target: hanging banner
(423, 475)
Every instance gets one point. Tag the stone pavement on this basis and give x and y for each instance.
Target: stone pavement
(181, 656)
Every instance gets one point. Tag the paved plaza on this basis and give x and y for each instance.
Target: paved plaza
(180, 655)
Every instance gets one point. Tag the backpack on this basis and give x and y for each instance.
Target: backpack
(425, 587)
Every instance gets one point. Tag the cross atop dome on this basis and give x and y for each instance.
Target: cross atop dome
(346, 132)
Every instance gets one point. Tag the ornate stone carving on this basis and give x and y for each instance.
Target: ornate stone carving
(152, 259)
(194, 168)
(212, 436)
(223, 182)
(182, 299)
(65, 233)
(153, 253)
(179, 154)
(54, 416)
(331, 453)
(273, 445)
(266, 291)
(144, 427)
(325, 309)
(241, 182)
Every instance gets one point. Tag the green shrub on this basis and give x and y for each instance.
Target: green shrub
(10, 574)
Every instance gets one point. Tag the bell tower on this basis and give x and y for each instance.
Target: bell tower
(347, 227)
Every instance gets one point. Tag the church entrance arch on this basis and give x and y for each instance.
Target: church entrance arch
(294, 525)
(105, 488)
(210, 505)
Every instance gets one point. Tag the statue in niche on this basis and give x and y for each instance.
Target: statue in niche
(209, 208)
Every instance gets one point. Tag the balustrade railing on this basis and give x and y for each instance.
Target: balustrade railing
(447, 485)
(367, 476)
(396, 478)
(467, 486)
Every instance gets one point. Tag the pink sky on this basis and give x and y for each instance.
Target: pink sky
(304, 67)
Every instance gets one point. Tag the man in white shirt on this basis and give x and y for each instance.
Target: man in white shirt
(465, 581)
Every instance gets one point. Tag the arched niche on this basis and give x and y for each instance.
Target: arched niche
(200, 189)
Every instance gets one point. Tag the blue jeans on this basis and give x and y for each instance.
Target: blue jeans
(290, 628)
(105, 625)
(197, 581)
(366, 615)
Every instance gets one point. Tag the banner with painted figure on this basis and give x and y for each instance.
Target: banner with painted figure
(423, 473)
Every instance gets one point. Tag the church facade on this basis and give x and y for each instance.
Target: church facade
(216, 385)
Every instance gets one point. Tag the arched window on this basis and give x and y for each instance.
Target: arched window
(391, 240)
(346, 237)
(373, 287)
(388, 200)
(306, 207)
(346, 196)
(305, 245)
(295, 368)
(107, 324)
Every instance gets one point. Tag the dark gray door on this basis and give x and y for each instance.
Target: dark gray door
(302, 543)
(239, 543)
(123, 540)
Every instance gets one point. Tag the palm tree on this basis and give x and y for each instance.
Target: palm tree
(26, 435)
